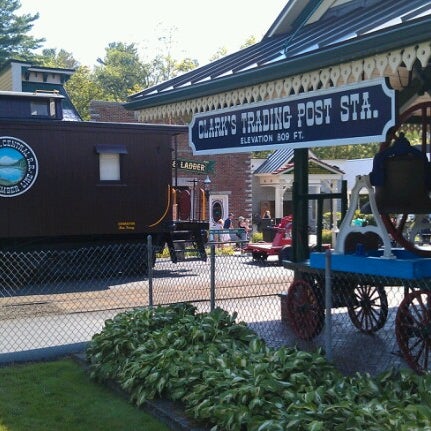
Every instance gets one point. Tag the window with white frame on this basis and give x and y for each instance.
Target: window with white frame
(110, 161)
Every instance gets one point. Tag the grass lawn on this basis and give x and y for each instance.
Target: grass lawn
(53, 396)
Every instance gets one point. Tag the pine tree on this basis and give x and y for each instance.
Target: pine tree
(15, 43)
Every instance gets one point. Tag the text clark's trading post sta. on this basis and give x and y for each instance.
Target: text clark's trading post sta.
(398, 186)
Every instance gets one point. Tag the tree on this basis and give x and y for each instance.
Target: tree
(164, 66)
(360, 151)
(82, 89)
(121, 73)
(221, 52)
(185, 65)
(251, 40)
(161, 68)
(15, 43)
(61, 59)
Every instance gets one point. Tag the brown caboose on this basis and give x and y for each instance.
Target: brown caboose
(68, 185)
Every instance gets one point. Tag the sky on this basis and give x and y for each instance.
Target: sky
(200, 27)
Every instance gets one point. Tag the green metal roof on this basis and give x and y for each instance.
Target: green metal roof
(352, 31)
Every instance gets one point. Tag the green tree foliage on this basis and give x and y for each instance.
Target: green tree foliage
(15, 43)
(221, 52)
(61, 59)
(185, 65)
(347, 152)
(82, 89)
(164, 66)
(362, 151)
(161, 69)
(251, 40)
(350, 152)
(121, 72)
(262, 154)
(414, 135)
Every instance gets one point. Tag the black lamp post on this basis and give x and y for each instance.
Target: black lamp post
(207, 188)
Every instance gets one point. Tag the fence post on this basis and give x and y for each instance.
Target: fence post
(212, 277)
(150, 269)
(328, 306)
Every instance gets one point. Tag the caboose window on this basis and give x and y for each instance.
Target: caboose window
(109, 167)
(110, 161)
(52, 110)
(39, 108)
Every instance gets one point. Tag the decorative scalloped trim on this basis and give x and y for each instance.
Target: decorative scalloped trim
(384, 64)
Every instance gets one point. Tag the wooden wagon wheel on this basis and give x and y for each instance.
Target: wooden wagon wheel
(305, 311)
(413, 329)
(369, 308)
(396, 225)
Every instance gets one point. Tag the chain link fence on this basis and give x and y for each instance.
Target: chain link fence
(56, 300)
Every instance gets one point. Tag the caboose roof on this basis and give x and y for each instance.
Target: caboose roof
(35, 95)
(69, 111)
(23, 76)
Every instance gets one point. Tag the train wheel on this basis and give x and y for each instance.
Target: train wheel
(306, 314)
(369, 308)
(413, 329)
(396, 225)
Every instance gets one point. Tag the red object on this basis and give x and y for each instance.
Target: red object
(282, 238)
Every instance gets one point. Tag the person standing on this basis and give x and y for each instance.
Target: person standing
(257, 220)
(244, 225)
(222, 237)
(247, 228)
(267, 214)
(228, 224)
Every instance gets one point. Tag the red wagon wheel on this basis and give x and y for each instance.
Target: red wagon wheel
(306, 314)
(396, 225)
(369, 308)
(413, 329)
(397, 229)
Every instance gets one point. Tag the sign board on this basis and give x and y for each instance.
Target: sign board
(357, 113)
(205, 167)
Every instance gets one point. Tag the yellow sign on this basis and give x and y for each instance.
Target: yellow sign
(126, 225)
